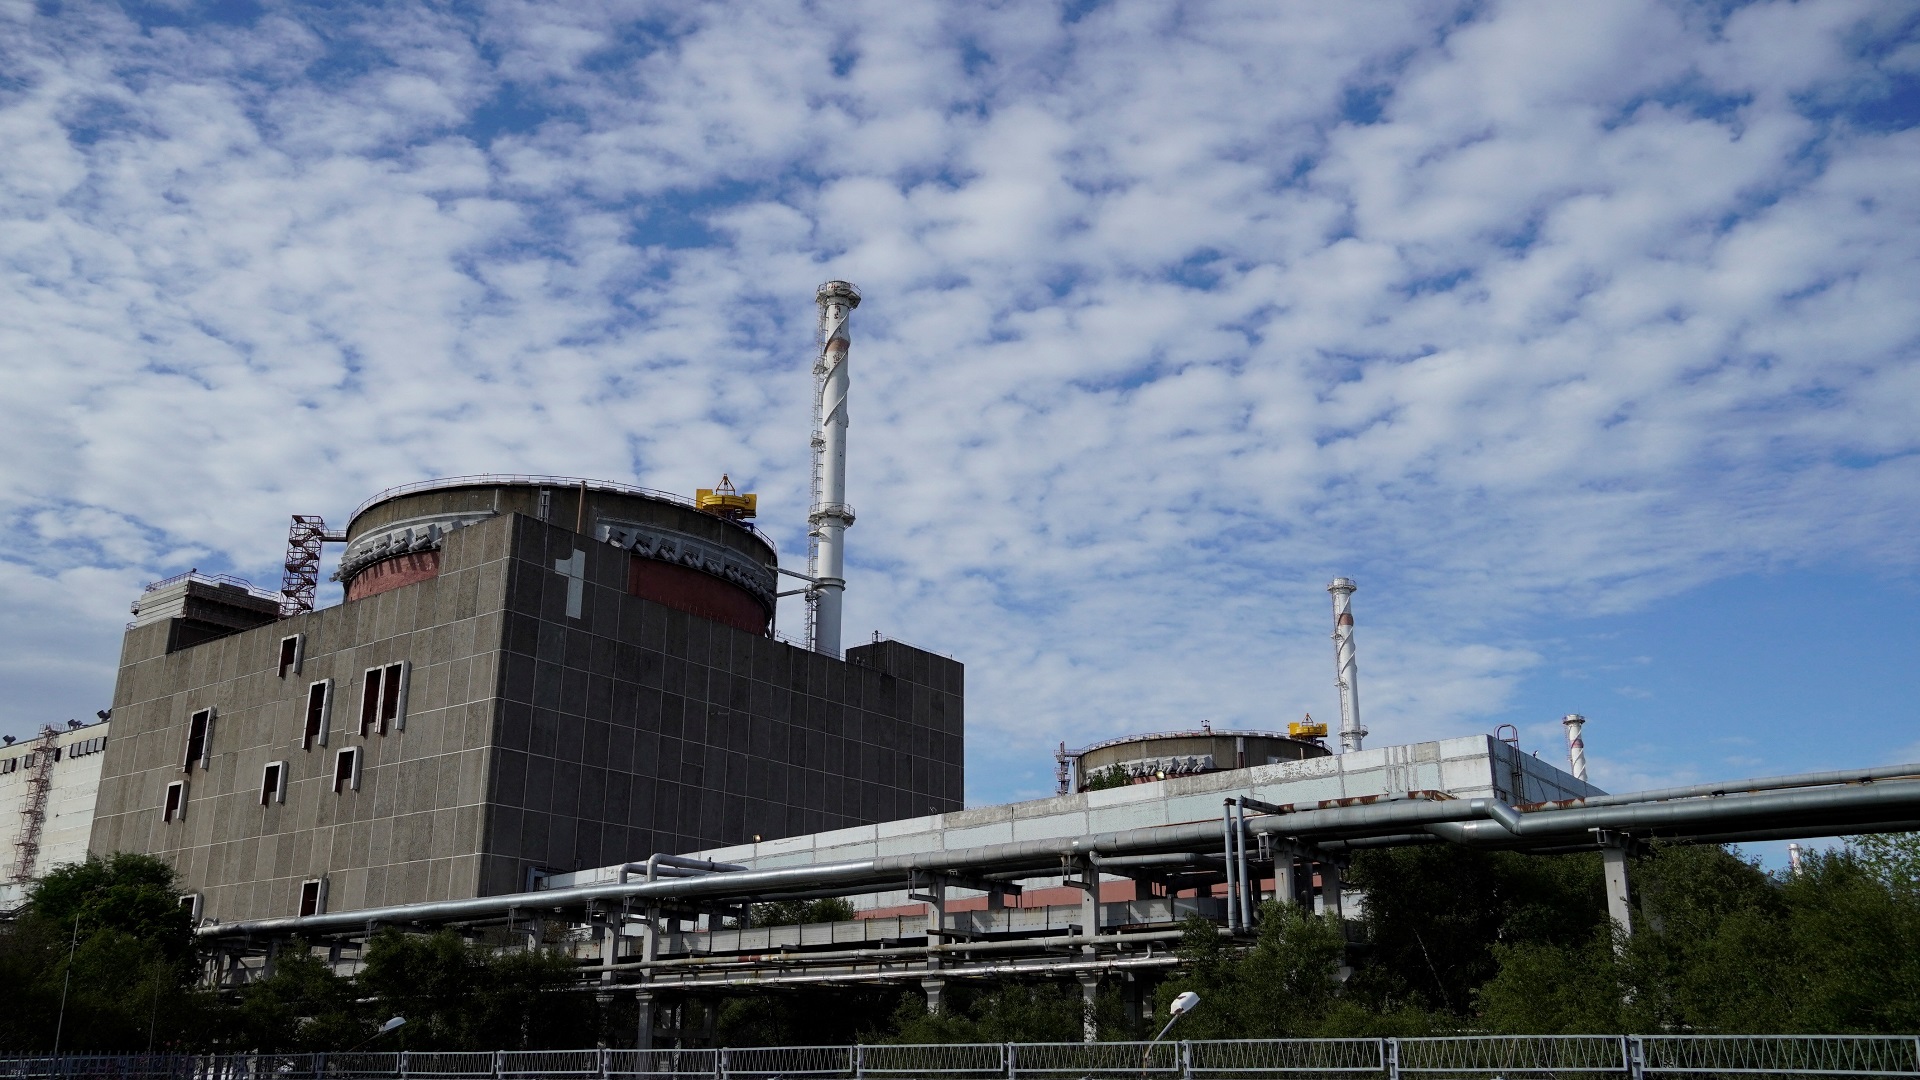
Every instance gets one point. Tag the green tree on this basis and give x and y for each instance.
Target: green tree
(1284, 986)
(460, 996)
(1892, 858)
(301, 1007)
(1006, 1012)
(1435, 916)
(789, 912)
(109, 938)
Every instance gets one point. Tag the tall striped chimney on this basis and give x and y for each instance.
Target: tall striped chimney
(1346, 670)
(830, 516)
(1576, 746)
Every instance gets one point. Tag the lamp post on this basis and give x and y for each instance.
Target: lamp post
(384, 1028)
(1181, 1006)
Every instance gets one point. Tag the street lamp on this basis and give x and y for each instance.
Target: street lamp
(384, 1028)
(1181, 1006)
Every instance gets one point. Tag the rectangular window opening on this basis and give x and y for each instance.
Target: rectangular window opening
(291, 648)
(190, 903)
(313, 897)
(273, 783)
(346, 770)
(319, 704)
(393, 698)
(370, 702)
(176, 807)
(199, 740)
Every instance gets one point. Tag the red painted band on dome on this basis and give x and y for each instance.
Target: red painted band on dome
(684, 589)
(393, 573)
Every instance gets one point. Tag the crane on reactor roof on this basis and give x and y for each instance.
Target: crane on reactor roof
(722, 500)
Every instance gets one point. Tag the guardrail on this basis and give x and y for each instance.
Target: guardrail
(1475, 1057)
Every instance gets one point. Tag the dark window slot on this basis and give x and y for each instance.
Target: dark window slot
(346, 771)
(370, 703)
(290, 655)
(318, 697)
(199, 731)
(390, 692)
(273, 784)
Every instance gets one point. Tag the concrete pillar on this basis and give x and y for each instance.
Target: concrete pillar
(609, 948)
(1285, 888)
(643, 1028)
(1089, 996)
(935, 991)
(1330, 889)
(936, 913)
(1614, 859)
(1090, 907)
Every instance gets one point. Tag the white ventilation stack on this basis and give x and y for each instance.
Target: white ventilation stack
(1346, 670)
(1576, 748)
(827, 522)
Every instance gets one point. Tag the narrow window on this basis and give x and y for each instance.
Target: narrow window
(190, 903)
(176, 808)
(346, 770)
(319, 704)
(393, 698)
(273, 783)
(370, 702)
(313, 897)
(199, 740)
(291, 650)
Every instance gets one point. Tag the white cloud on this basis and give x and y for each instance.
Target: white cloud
(1606, 301)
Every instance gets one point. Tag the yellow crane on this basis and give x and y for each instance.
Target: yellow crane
(721, 500)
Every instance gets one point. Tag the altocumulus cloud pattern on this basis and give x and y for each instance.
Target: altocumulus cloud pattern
(1173, 312)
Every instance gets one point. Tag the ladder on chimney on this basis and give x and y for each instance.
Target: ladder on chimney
(26, 850)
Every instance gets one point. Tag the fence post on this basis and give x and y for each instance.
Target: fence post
(1390, 1055)
(720, 1063)
(1636, 1057)
(401, 1065)
(499, 1063)
(1007, 1049)
(604, 1054)
(1186, 1060)
(859, 1062)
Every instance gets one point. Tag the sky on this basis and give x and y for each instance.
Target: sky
(1582, 336)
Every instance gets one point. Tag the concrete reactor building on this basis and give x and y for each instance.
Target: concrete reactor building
(528, 675)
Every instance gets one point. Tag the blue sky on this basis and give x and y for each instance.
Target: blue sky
(1583, 336)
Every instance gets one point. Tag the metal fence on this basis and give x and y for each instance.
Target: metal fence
(1480, 1057)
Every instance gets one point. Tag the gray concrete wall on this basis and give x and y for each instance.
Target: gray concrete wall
(636, 728)
(414, 829)
(532, 739)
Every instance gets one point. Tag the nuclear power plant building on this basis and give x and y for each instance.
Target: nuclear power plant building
(528, 676)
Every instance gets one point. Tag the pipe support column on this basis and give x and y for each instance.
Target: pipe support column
(1613, 859)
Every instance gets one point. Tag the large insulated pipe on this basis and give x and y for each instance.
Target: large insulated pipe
(830, 516)
(1576, 750)
(1346, 670)
(1475, 821)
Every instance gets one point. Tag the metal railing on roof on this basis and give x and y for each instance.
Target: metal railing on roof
(215, 579)
(558, 482)
(1474, 1057)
